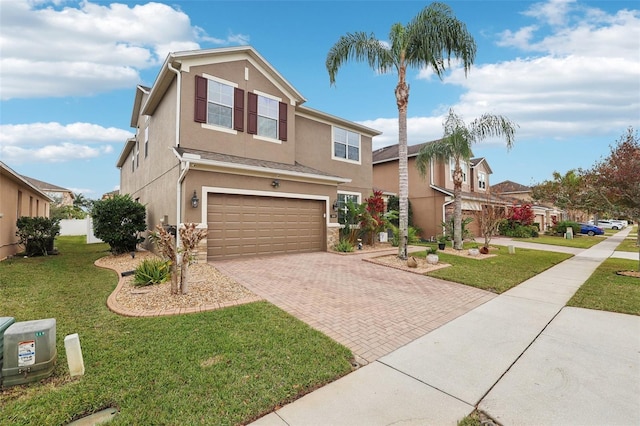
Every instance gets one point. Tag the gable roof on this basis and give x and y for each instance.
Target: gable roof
(7, 171)
(509, 187)
(475, 162)
(44, 186)
(182, 61)
(390, 153)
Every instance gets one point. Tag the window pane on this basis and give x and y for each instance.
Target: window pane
(340, 150)
(267, 107)
(354, 153)
(219, 115)
(220, 93)
(353, 139)
(267, 127)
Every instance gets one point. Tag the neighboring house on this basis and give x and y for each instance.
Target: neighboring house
(517, 194)
(18, 197)
(431, 197)
(59, 195)
(223, 140)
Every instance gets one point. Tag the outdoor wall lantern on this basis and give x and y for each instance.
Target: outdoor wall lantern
(194, 200)
(335, 206)
(275, 183)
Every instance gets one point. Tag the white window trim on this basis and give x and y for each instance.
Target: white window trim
(208, 126)
(345, 160)
(218, 128)
(483, 180)
(358, 196)
(220, 80)
(266, 138)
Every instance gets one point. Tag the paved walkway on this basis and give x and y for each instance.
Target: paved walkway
(521, 357)
(371, 309)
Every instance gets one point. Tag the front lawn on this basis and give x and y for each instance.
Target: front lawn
(607, 291)
(497, 274)
(582, 241)
(223, 367)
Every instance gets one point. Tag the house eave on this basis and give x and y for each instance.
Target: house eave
(196, 163)
(128, 146)
(316, 115)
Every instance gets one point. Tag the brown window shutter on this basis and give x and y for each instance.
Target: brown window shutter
(282, 124)
(238, 109)
(200, 114)
(252, 113)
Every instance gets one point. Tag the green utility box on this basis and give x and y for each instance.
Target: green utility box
(5, 322)
(29, 351)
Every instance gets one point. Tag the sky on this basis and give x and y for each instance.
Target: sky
(567, 72)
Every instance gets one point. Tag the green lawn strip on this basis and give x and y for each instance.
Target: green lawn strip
(607, 291)
(497, 274)
(221, 367)
(629, 244)
(582, 241)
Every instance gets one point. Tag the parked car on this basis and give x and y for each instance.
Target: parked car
(590, 230)
(623, 223)
(608, 224)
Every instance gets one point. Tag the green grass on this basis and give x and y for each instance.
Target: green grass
(222, 367)
(607, 291)
(497, 274)
(628, 244)
(582, 241)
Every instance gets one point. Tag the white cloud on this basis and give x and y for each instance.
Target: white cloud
(419, 130)
(88, 47)
(55, 143)
(586, 82)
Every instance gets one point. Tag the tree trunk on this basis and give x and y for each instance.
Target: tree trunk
(174, 278)
(402, 100)
(457, 208)
(184, 275)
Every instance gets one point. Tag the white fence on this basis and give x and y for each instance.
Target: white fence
(79, 227)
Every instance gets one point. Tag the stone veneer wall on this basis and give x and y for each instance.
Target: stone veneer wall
(333, 237)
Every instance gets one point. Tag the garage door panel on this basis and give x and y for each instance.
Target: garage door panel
(244, 225)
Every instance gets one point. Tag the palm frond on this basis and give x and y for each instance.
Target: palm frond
(359, 47)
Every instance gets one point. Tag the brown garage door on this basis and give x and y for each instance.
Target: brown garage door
(248, 225)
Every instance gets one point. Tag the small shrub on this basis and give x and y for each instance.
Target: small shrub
(561, 227)
(344, 246)
(37, 234)
(151, 271)
(412, 234)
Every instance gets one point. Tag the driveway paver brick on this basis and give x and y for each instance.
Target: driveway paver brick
(371, 309)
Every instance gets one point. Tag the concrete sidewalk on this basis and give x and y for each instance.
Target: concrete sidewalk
(521, 357)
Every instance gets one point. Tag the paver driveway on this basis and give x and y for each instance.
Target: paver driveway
(369, 308)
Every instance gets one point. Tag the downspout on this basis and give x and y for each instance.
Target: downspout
(177, 144)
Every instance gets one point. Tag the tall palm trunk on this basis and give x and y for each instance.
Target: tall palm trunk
(457, 208)
(402, 100)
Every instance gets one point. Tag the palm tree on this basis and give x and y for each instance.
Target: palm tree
(431, 37)
(455, 145)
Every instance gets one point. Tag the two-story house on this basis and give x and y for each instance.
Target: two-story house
(223, 140)
(431, 196)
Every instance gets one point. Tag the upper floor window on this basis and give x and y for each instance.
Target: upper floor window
(267, 117)
(482, 180)
(463, 166)
(146, 137)
(218, 103)
(346, 144)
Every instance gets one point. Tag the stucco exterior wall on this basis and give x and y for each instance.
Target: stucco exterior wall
(18, 199)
